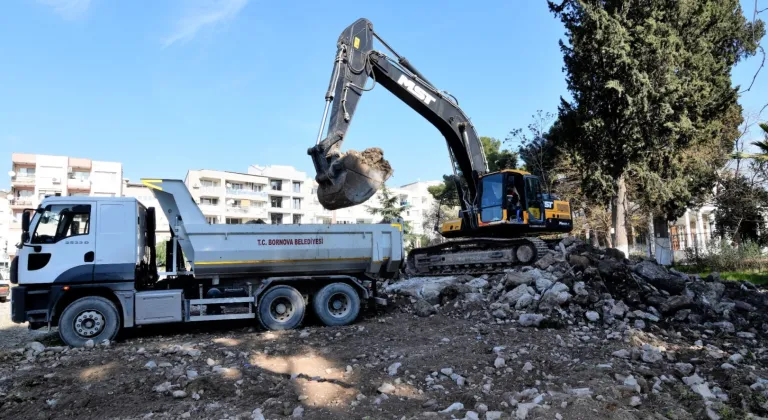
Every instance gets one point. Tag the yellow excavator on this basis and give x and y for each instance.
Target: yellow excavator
(502, 213)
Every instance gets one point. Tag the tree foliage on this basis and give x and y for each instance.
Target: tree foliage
(652, 101)
(535, 149)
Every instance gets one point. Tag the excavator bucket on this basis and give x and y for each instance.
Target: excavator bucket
(356, 178)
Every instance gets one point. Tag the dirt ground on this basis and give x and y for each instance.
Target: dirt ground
(339, 373)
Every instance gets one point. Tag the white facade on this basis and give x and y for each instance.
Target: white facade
(33, 177)
(229, 197)
(145, 197)
(288, 192)
(6, 241)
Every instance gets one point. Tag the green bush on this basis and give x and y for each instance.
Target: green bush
(722, 256)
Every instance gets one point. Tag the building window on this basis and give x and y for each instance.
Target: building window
(234, 221)
(79, 194)
(254, 187)
(212, 220)
(360, 221)
(209, 201)
(206, 183)
(314, 190)
(79, 175)
(258, 204)
(235, 186)
(296, 219)
(297, 203)
(25, 172)
(276, 184)
(233, 203)
(277, 218)
(296, 187)
(276, 202)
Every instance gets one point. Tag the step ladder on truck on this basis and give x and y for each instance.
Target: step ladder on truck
(88, 265)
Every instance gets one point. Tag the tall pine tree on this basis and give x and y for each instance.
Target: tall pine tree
(652, 100)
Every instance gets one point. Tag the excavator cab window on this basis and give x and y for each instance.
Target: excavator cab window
(534, 199)
(492, 190)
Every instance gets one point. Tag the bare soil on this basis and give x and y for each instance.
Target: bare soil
(335, 373)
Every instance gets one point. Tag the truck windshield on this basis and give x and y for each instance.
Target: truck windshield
(62, 221)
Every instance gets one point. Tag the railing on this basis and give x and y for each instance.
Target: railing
(23, 180)
(261, 195)
(21, 202)
(215, 191)
(79, 183)
(252, 211)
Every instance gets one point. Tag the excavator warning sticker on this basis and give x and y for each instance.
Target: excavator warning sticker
(291, 241)
(357, 43)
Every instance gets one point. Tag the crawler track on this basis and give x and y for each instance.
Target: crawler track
(474, 256)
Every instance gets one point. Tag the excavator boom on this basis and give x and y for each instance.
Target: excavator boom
(347, 179)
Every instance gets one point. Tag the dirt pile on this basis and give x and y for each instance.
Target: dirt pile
(575, 281)
(700, 341)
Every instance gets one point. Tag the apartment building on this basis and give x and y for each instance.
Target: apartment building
(143, 194)
(33, 177)
(414, 197)
(229, 197)
(288, 192)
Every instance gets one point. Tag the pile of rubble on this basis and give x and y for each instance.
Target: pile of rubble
(576, 281)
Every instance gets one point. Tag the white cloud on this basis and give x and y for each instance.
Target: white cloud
(68, 9)
(207, 13)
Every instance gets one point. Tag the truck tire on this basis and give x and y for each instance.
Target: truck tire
(336, 304)
(89, 318)
(281, 308)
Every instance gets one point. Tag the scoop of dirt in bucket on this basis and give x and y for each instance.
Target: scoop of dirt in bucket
(357, 177)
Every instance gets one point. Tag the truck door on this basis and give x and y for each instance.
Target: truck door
(62, 246)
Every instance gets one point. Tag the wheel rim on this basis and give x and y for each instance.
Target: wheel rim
(281, 309)
(89, 323)
(339, 305)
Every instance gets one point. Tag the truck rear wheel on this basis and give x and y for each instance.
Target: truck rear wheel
(89, 318)
(336, 304)
(281, 308)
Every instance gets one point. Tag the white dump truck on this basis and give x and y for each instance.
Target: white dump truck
(89, 266)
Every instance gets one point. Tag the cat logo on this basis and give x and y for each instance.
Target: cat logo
(416, 91)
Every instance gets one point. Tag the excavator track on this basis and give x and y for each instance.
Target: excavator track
(474, 256)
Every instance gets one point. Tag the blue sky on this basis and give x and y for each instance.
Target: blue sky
(166, 86)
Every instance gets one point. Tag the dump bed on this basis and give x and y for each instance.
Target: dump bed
(270, 250)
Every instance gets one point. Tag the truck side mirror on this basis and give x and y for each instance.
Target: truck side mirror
(25, 222)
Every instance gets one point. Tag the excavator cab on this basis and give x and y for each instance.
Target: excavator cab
(510, 197)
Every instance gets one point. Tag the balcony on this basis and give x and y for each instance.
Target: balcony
(79, 184)
(22, 181)
(21, 203)
(253, 195)
(239, 211)
(210, 191)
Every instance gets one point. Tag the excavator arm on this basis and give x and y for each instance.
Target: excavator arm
(347, 179)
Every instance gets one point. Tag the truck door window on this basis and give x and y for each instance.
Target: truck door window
(62, 221)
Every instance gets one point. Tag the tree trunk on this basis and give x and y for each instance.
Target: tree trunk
(593, 238)
(619, 213)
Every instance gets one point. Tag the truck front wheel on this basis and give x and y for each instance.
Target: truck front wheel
(336, 304)
(89, 318)
(281, 308)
